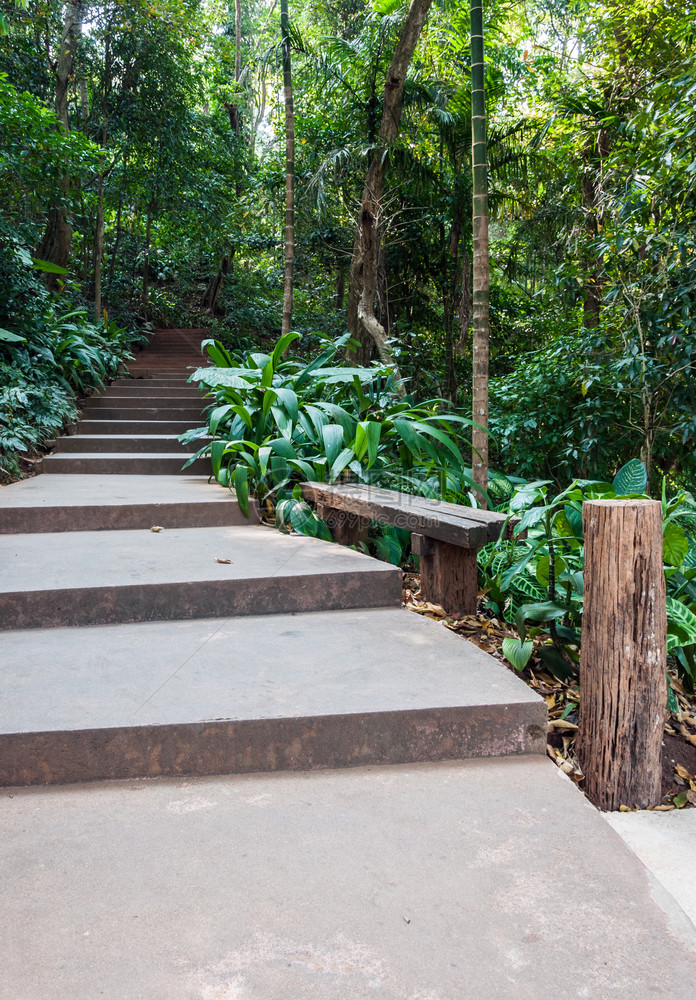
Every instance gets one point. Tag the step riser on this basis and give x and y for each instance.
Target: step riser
(180, 391)
(21, 520)
(121, 466)
(203, 599)
(82, 443)
(136, 427)
(267, 745)
(146, 413)
(188, 401)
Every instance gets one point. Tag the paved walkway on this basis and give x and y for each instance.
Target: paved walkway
(381, 859)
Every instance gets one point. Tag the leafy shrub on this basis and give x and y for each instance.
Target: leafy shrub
(537, 576)
(276, 422)
(48, 356)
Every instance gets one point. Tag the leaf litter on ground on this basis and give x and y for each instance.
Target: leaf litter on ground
(563, 700)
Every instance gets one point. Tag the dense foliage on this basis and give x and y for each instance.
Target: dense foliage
(160, 147)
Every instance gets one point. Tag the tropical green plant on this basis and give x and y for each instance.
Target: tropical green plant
(278, 421)
(535, 579)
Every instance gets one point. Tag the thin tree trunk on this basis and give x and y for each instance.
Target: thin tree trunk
(289, 169)
(480, 347)
(55, 244)
(119, 227)
(99, 251)
(465, 305)
(146, 261)
(363, 275)
(99, 235)
(340, 283)
(216, 283)
(237, 40)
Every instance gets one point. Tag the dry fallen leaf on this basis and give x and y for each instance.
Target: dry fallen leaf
(156, 527)
(562, 724)
(227, 561)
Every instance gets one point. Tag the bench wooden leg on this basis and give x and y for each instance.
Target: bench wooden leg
(449, 575)
(345, 528)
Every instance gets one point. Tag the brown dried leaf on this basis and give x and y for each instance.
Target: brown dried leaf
(562, 724)
(227, 561)
(683, 773)
(156, 528)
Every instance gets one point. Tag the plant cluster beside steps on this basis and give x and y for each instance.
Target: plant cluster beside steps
(535, 579)
(49, 355)
(275, 421)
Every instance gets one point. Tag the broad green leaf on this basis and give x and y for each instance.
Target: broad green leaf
(675, 544)
(631, 478)
(518, 652)
(367, 435)
(12, 338)
(685, 619)
(48, 267)
(332, 436)
(282, 346)
(281, 446)
(289, 400)
(340, 463)
(241, 488)
(544, 611)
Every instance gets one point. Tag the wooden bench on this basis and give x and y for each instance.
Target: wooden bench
(447, 536)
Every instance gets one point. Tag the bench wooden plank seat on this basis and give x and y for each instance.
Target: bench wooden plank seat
(447, 536)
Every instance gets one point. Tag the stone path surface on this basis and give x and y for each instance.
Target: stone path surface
(666, 843)
(133, 654)
(481, 880)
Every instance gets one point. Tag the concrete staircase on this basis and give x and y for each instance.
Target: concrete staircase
(279, 652)
(212, 648)
(132, 428)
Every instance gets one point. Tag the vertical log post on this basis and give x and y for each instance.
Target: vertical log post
(346, 528)
(623, 691)
(449, 575)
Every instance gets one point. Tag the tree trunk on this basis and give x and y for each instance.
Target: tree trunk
(465, 305)
(146, 261)
(99, 251)
(363, 272)
(289, 169)
(623, 654)
(237, 40)
(119, 226)
(216, 283)
(480, 349)
(55, 244)
(340, 284)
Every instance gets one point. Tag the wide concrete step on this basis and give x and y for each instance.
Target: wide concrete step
(288, 692)
(94, 503)
(161, 443)
(473, 880)
(125, 464)
(93, 578)
(133, 412)
(134, 427)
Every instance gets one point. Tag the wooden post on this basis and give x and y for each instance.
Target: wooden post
(346, 528)
(623, 691)
(448, 574)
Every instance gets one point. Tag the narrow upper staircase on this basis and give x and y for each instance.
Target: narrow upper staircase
(132, 428)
